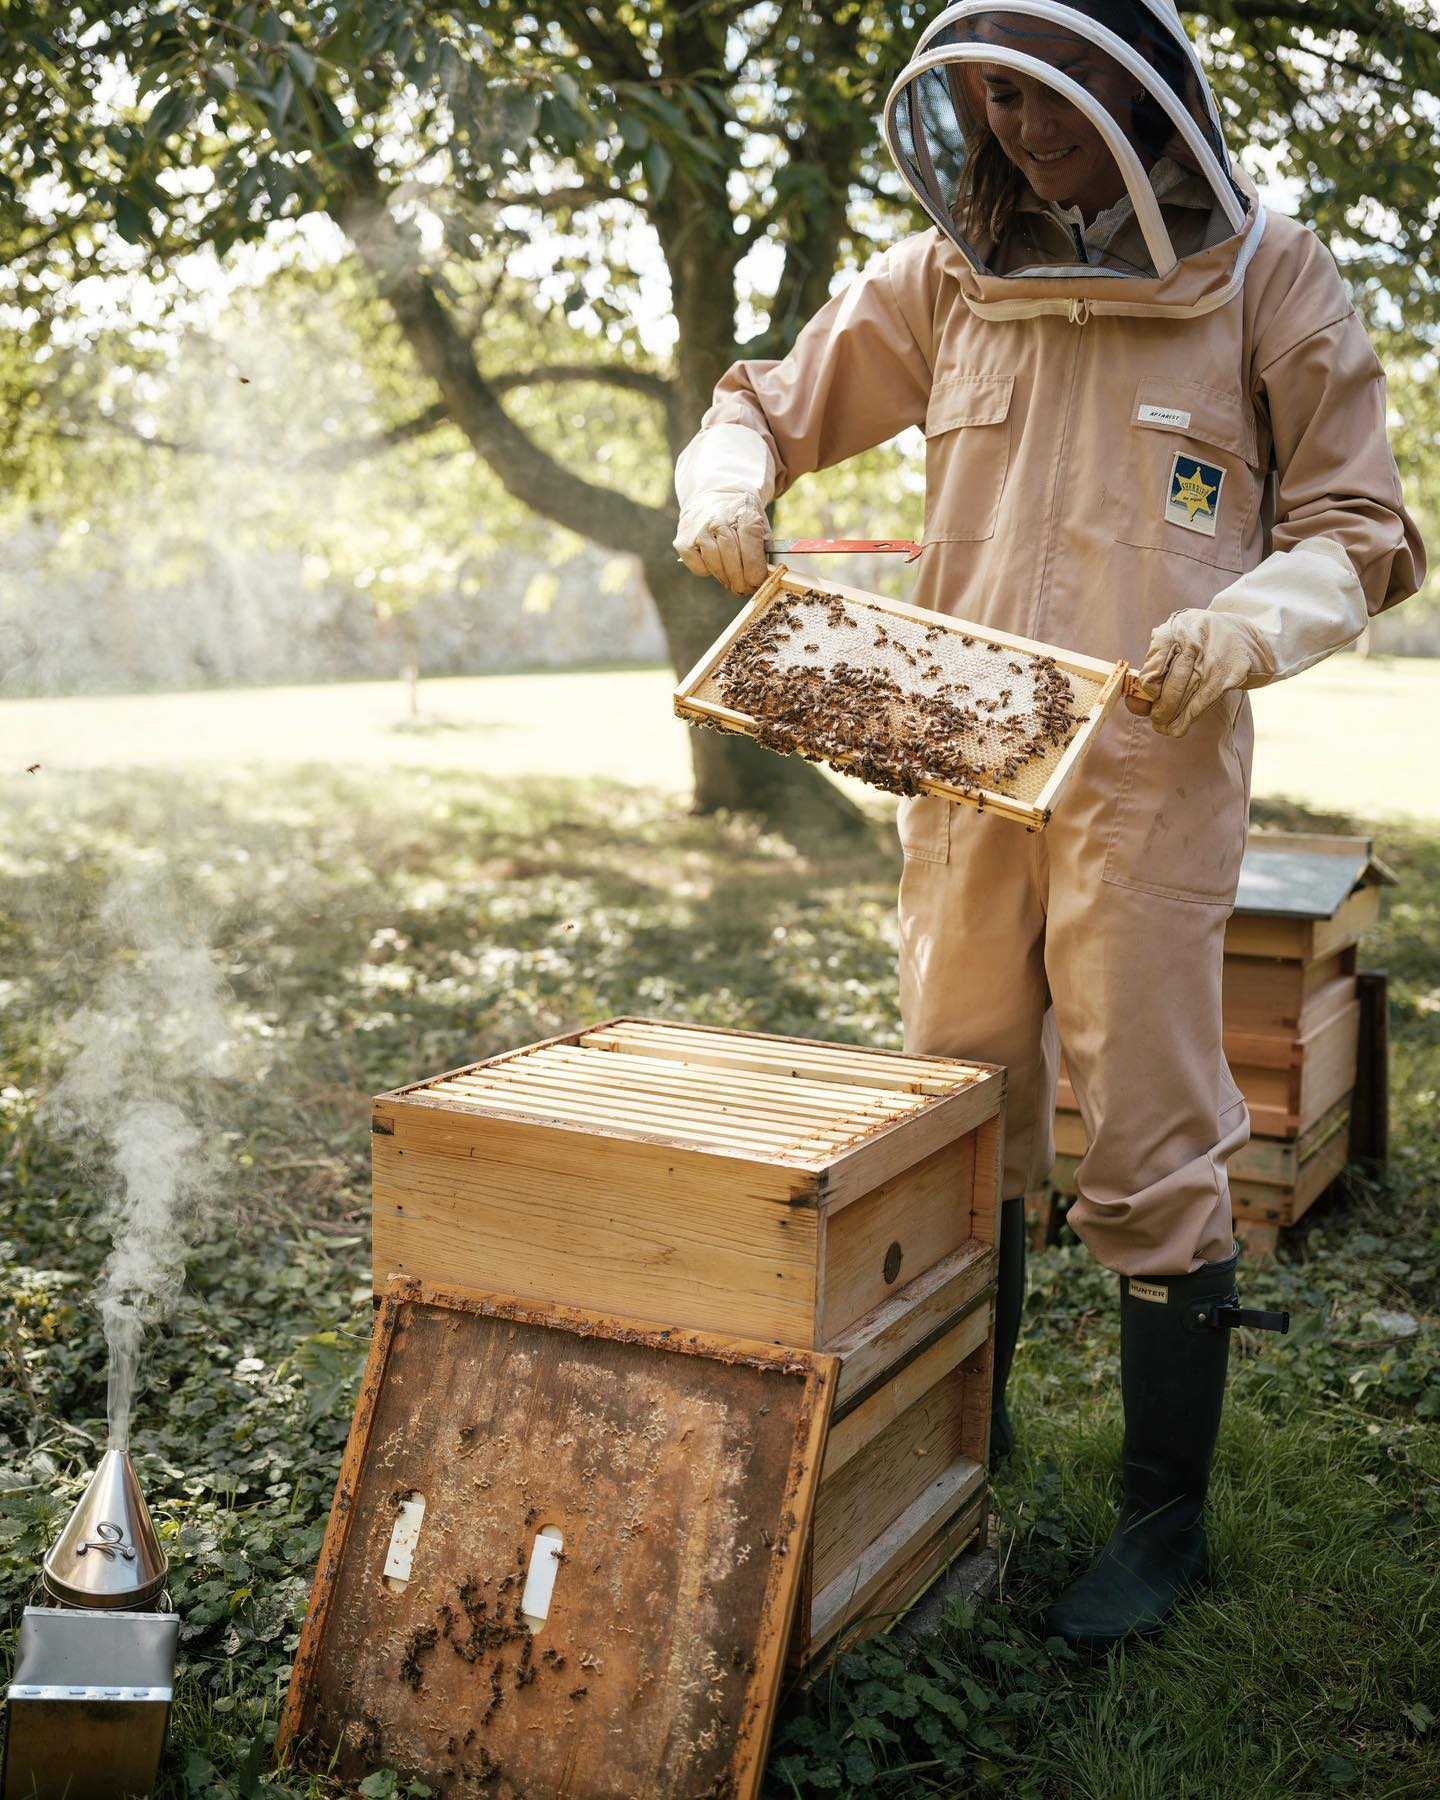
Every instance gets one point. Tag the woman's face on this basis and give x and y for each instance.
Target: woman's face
(1054, 146)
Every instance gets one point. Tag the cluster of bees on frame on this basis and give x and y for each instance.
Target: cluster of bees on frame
(896, 711)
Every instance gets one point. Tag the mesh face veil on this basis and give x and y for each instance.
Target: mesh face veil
(1065, 107)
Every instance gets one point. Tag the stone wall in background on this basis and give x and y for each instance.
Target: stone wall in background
(258, 623)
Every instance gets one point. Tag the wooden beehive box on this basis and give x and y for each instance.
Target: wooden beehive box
(1294, 1032)
(817, 1195)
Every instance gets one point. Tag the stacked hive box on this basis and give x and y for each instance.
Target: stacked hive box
(809, 1194)
(1293, 1013)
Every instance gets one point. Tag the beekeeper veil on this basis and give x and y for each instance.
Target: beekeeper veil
(1125, 66)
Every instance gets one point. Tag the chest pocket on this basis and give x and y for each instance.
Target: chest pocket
(967, 455)
(1193, 482)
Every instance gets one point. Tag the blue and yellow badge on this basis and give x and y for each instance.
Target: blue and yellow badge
(1194, 498)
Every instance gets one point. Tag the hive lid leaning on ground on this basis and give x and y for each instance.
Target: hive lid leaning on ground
(564, 1554)
(910, 700)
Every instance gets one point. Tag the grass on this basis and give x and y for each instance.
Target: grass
(371, 930)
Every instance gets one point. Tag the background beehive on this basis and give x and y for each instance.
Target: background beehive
(817, 1195)
(1304, 1031)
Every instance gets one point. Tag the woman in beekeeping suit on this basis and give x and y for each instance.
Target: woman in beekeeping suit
(1154, 430)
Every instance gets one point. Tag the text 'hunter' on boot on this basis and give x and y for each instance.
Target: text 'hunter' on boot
(1174, 1347)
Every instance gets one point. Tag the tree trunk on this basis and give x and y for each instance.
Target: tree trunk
(730, 772)
(733, 773)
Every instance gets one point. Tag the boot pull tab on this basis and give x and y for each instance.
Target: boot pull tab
(1228, 1317)
(1216, 1316)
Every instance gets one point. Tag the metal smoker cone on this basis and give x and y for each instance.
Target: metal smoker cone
(108, 1554)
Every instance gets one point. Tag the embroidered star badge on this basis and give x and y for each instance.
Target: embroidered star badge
(1194, 493)
(1193, 498)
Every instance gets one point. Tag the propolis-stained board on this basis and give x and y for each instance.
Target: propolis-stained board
(676, 1471)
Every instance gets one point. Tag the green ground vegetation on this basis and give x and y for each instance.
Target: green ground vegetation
(374, 929)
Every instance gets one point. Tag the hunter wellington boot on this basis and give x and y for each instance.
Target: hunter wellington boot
(1009, 1302)
(1174, 1347)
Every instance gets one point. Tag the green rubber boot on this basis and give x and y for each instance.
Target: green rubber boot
(1174, 1348)
(1009, 1303)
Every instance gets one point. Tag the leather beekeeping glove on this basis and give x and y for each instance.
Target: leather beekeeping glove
(724, 480)
(1292, 611)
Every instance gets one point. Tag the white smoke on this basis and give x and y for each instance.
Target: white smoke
(146, 1056)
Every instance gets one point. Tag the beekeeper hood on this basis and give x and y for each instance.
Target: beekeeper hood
(983, 126)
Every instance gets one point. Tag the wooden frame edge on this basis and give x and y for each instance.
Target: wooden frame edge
(788, 1578)
(1083, 738)
(337, 1526)
(1033, 815)
(746, 617)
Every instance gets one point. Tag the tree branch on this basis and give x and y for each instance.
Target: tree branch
(576, 195)
(391, 253)
(62, 228)
(639, 381)
(620, 375)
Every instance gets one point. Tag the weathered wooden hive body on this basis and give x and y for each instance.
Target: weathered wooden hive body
(809, 1194)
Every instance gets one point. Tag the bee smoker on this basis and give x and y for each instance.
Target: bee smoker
(89, 1702)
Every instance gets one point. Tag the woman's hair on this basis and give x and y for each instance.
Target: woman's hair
(993, 188)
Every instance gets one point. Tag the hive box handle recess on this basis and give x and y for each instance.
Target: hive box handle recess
(540, 1580)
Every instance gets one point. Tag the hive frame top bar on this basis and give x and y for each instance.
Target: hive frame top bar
(913, 1083)
(1034, 815)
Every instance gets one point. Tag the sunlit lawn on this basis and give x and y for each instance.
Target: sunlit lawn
(1358, 736)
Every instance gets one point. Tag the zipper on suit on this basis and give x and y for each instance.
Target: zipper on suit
(1079, 315)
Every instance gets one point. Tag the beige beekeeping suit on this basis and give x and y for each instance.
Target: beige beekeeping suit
(1101, 453)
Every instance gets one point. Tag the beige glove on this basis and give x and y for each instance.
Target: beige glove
(1292, 611)
(724, 480)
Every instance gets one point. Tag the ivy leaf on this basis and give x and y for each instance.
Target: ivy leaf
(302, 64)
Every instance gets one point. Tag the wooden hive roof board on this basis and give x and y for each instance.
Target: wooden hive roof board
(680, 1469)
